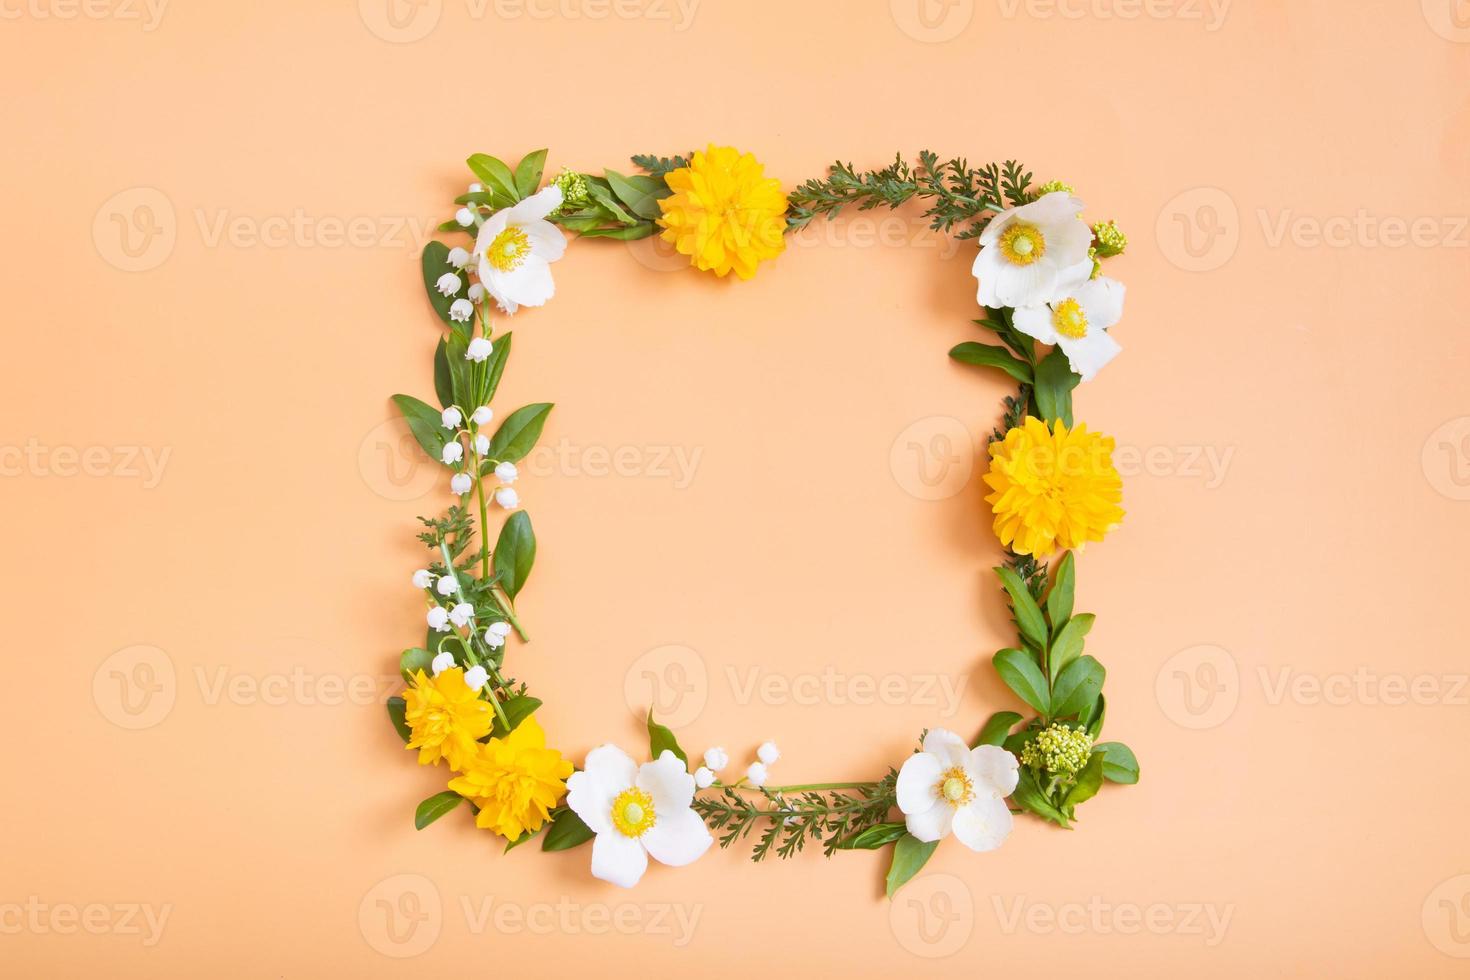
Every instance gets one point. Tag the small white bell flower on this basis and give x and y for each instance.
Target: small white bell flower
(442, 662)
(479, 349)
(500, 629)
(494, 640)
(461, 310)
(716, 758)
(465, 217)
(756, 774)
(483, 415)
(476, 187)
(460, 484)
(451, 417)
(448, 283)
(439, 619)
(476, 677)
(482, 445)
(477, 292)
(459, 257)
(422, 579)
(768, 753)
(453, 453)
(508, 498)
(461, 614)
(505, 472)
(703, 778)
(447, 585)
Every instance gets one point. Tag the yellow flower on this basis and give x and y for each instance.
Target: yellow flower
(724, 213)
(1053, 488)
(515, 781)
(447, 717)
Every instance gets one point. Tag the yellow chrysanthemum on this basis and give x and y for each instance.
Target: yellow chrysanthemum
(447, 717)
(724, 212)
(515, 781)
(1053, 488)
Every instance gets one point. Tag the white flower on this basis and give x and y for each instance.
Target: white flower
(476, 677)
(1033, 253)
(482, 445)
(442, 662)
(422, 579)
(501, 628)
(448, 284)
(949, 786)
(439, 619)
(453, 452)
(447, 585)
(515, 249)
(460, 484)
(756, 773)
(482, 415)
(451, 417)
(459, 258)
(476, 188)
(716, 758)
(478, 350)
(1077, 322)
(494, 640)
(462, 613)
(636, 811)
(477, 292)
(461, 310)
(508, 498)
(703, 778)
(465, 217)
(768, 753)
(506, 472)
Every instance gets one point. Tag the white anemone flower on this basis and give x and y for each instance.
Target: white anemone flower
(1078, 323)
(952, 787)
(515, 249)
(1031, 254)
(636, 811)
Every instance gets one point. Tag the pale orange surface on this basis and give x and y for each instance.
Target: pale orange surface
(211, 288)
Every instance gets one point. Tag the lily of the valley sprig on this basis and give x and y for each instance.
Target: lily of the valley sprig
(1053, 489)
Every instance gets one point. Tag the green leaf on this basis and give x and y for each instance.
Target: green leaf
(1074, 690)
(435, 807)
(1028, 796)
(601, 192)
(997, 728)
(498, 356)
(1028, 615)
(1067, 646)
(1119, 764)
(425, 424)
(435, 262)
(443, 377)
(873, 837)
(528, 172)
(1089, 780)
(661, 738)
(1021, 674)
(984, 355)
(1054, 384)
(566, 831)
(630, 233)
(517, 435)
(909, 856)
(397, 710)
(1096, 716)
(1063, 590)
(525, 838)
(517, 709)
(414, 660)
(515, 552)
(639, 192)
(497, 178)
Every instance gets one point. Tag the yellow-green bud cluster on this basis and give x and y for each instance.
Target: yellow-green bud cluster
(1109, 240)
(573, 189)
(1052, 185)
(1060, 750)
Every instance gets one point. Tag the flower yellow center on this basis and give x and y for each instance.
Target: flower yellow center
(1068, 318)
(1022, 243)
(509, 249)
(955, 787)
(632, 812)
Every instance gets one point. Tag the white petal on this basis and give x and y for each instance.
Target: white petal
(917, 778)
(997, 224)
(668, 782)
(930, 824)
(536, 207)
(529, 284)
(1088, 354)
(494, 226)
(677, 838)
(1071, 277)
(1101, 300)
(1036, 321)
(983, 825)
(590, 793)
(546, 239)
(946, 746)
(993, 770)
(1051, 208)
(618, 859)
(987, 269)
(1025, 285)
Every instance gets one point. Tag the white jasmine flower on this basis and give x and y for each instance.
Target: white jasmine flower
(462, 613)
(439, 619)
(635, 811)
(476, 677)
(479, 349)
(515, 249)
(508, 498)
(459, 258)
(768, 753)
(448, 284)
(703, 778)
(461, 310)
(453, 453)
(756, 773)
(482, 445)
(442, 662)
(716, 758)
(465, 217)
(506, 472)
(951, 787)
(1077, 322)
(483, 415)
(1034, 253)
(422, 579)
(451, 417)
(477, 292)
(447, 585)
(460, 484)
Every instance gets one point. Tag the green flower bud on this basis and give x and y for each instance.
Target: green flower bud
(1110, 241)
(1049, 187)
(573, 189)
(1060, 750)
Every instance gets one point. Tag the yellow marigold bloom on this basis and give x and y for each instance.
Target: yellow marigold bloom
(1053, 488)
(724, 212)
(515, 781)
(447, 717)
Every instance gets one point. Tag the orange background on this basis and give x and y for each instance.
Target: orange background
(1260, 155)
